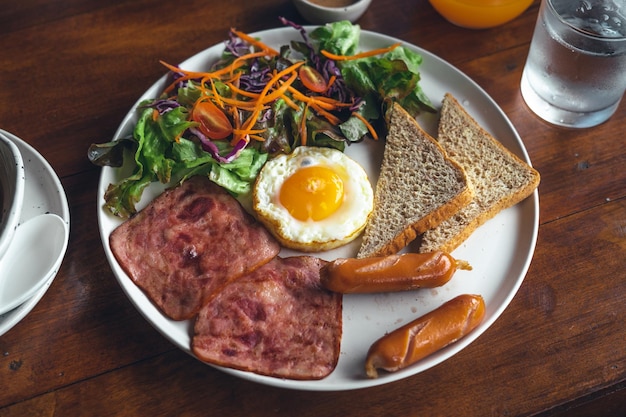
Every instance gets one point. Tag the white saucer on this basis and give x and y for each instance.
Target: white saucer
(43, 194)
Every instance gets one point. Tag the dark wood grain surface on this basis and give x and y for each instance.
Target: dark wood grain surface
(70, 70)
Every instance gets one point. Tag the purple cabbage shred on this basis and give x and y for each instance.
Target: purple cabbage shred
(210, 147)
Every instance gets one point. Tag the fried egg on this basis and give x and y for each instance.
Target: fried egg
(313, 199)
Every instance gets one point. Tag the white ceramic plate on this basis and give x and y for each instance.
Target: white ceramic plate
(500, 251)
(43, 193)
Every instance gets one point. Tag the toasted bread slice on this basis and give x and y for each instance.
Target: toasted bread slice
(500, 179)
(418, 187)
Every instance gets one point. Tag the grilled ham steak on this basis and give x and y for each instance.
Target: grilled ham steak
(275, 321)
(188, 243)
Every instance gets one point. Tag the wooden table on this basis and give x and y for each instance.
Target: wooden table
(69, 72)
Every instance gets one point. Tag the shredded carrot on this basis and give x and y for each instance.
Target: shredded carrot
(216, 96)
(331, 81)
(250, 55)
(237, 62)
(254, 42)
(234, 78)
(248, 132)
(324, 104)
(155, 115)
(359, 55)
(280, 91)
(333, 101)
(243, 105)
(302, 127)
(290, 103)
(334, 120)
(328, 102)
(190, 75)
(367, 125)
(257, 138)
(240, 91)
(227, 69)
(236, 118)
(174, 68)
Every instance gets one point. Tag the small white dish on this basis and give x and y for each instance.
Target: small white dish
(35, 254)
(11, 191)
(43, 193)
(320, 12)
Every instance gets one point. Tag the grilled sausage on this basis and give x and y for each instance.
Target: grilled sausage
(425, 335)
(390, 273)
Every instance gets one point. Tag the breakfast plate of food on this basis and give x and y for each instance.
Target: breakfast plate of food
(243, 275)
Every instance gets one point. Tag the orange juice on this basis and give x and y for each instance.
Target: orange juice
(480, 14)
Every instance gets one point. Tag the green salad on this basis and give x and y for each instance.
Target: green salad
(256, 102)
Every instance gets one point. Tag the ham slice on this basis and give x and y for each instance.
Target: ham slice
(275, 321)
(188, 243)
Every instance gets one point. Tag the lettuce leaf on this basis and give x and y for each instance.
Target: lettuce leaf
(393, 76)
(339, 38)
(161, 154)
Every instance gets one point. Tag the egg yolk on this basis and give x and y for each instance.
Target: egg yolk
(312, 193)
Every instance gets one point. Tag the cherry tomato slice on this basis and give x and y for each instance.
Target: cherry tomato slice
(312, 79)
(213, 121)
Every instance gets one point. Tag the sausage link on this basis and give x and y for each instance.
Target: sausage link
(425, 335)
(390, 273)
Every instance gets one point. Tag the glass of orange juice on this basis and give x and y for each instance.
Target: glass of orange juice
(480, 14)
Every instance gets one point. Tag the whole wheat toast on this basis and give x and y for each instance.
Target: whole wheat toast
(500, 179)
(418, 188)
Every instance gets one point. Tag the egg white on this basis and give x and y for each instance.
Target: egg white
(341, 227)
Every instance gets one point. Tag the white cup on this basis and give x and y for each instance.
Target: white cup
(12, 179)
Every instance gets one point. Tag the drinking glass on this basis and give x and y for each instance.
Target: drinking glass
(575, 73)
